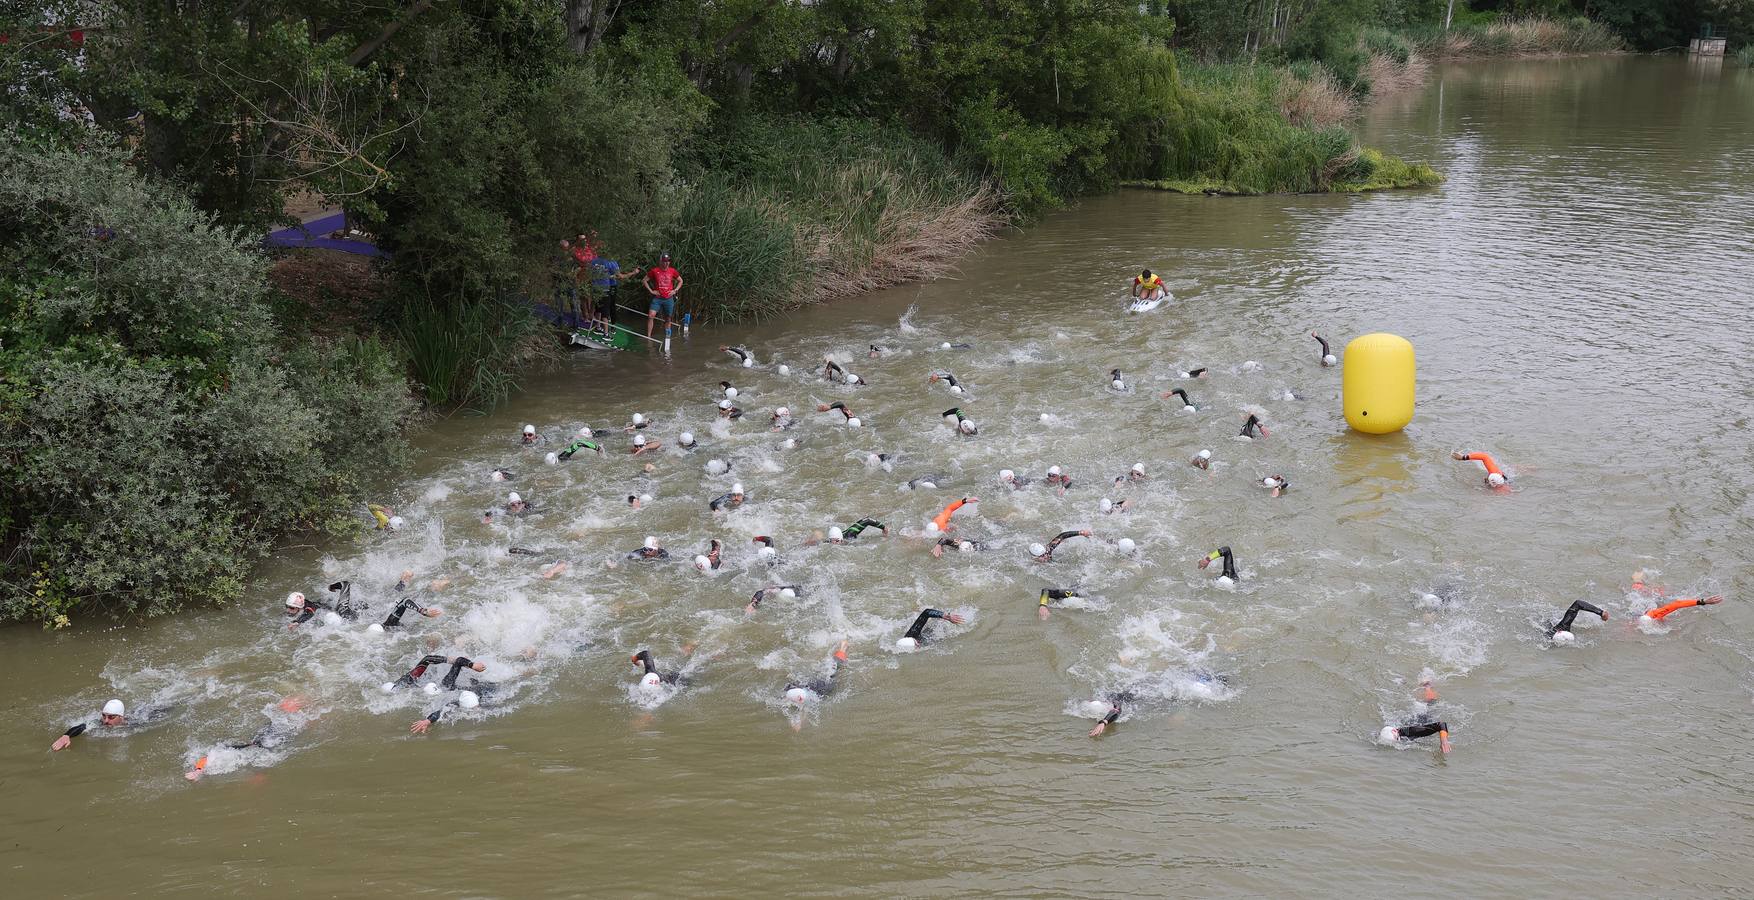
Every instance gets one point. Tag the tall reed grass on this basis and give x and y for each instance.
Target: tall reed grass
(1537, 36)
(466, 351)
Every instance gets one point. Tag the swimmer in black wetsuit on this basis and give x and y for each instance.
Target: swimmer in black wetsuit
(1414, 730)
(730, 500)
(1048, 595)
(851, 532)
(410, 603)
(651, 550)
(1057, 480)
(947, 378)
(916, 633)
(1229, 563)
(927, 482)
(964, 424)
(784, 590)
(1115, 701)
(742, 354)
(652, 677)
(1187, 405)
(712, 557)
(1194, 373)
(831, 370)
(302, 610)
(1277, 485)
(958, 544)
(1013, 480)
(1251, 425)
(800, 692)
(113, 718)
(767, 551)
(729, 411)
(1046, 554)
(1563, 626)
(1327, 356)
(836, 406)
(270, 736)
(467, 698)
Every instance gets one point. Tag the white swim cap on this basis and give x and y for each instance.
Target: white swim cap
(932, 527)
(331, 618)
(1044, 418)
(397, 522)
(797, 696)
(748, 362)
(388, 687)
(730, 392)
(1006, 474)
(529, 429)
(1204, 454)
(965, 546)
(782, 411)
(584, 431)
(1329, 359)
(737, 488)
(638, 419)
(1126, 545)
(789, 444)
(702, 563)
(686, 438)
(430, 687)
(552, 459)
(1645, 620)
(1224, 581)
(1037, 550)
(956, 389)
(966, 426)
(651, 542)
(1495, 479)
(1430, 599)
(944, 346)
(650, 680)
(854, 422)
(724, 404)
(295, 599)
(834, 533)
(375, 628)
(645, 498)
(496, 476)
(1139, 468)
(906, 645)
(872, 459)
(851, 378)
(1270, 481)
(1563, 637)
(1387, 735)
(639, 440)
(1106, 505)
(515, 498)
(766, 551)
(1094, 709)
(468, 700)
(115, 708)
(786, 592)
(1053, 470)
(785, 370)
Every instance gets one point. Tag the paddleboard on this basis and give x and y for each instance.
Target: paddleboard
(1146, 305)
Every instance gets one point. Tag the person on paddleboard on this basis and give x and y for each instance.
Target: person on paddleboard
(1148, 287)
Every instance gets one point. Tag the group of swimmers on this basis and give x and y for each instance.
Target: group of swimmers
(340, 606)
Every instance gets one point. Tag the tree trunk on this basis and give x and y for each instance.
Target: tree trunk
(1448, 14)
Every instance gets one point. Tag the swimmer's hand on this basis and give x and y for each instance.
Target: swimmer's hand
(954, 619)
(1041, 612)
(1205, 561)
(1458, 455)
(193, 775)
(749, 610)
(61, 743)
(1443, 745)
(1712, 600)
(1099, 729)
(433, 612)
(420, 726)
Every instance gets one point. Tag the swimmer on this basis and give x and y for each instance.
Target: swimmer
(962, 546)
(1147, 286)
(1114, 711)
(1495, 476)
(1135, 475)
(947, 378)
(651, 550)
(112, 718)
(554, 570)
(269, 737)
(516, 505)
(831, 370)
(964, 424)
(783, 590)
(916, 633)
(1108, 507)
(1115, 381)
(1193, 373)
(1560, 631)
(301, 610)
(1059, 480)
(1049, 595)
(581, 443)
(1187, 405)
(469, 698)
(836, 406)
(851, 532)
(714, 553)
(766, 551)
(1202, 460)
(641, 445)
(633, 501)
(457, 664)
(409, 603)
(639, 423)
(1662, 612)
(1229, 569)
(717, 467)
(383, 515)
(728, 411)
(727, 391)
(876, 351)
(502, 475)
(1046, 554)
(799, 693)
(927, 482)
(742, 354)
(686, 441)
(529, 437)
(651, 677)
(1276, 485)
(522, 551)
(1250, 425)
(1412, 731)
(731, 500)
(1327, 356)
(941, 521)
(781, 418)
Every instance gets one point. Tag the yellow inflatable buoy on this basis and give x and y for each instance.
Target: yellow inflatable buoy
(1376, 383)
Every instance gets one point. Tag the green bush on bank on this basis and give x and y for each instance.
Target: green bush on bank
(157, 435)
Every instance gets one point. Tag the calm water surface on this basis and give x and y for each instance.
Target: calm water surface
(1579, 294)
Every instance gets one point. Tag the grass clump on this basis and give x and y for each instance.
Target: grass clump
(1536, 36)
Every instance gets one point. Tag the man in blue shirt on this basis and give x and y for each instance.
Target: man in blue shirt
(606, 276)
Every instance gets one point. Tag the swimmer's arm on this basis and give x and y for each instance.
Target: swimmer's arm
(66, 738)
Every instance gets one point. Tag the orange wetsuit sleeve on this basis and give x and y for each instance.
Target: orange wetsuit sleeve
(1486, 460)
(1667, 608)
(942, 520)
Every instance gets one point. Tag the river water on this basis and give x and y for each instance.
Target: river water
(1579, 295)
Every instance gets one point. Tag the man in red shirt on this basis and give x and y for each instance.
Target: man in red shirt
(663, 282)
